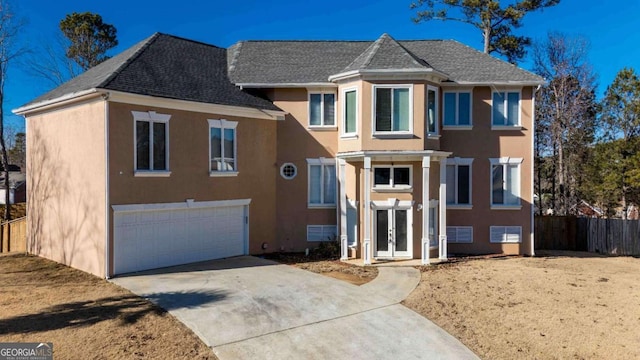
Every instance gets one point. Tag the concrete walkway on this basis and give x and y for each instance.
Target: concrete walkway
(247, 308)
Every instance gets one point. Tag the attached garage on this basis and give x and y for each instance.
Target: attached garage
(150, 236)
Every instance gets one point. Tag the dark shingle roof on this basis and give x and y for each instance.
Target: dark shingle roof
(165, 66)
(297, 62)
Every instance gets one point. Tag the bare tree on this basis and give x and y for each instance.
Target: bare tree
(566, 109)
(9, 30)
(50, 63)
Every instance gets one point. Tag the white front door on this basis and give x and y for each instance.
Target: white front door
(393, 232)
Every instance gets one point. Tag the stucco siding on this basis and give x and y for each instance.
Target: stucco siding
(66, 185)
(189, 166)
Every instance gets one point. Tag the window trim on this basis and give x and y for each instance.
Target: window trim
(391, 134)
(456, 228)
(343, 112)
(324, 228)
(224, 124)
(504, 161)
(321, 162)
(457, 125)
(151, 117)
(457, 161)
(518, 124)
(391, 187)
(295, 173)
(322, 125)
(504, 227)
(437, 112)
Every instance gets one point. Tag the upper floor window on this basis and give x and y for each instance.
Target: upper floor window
(459, 182)
(391, 177)
(350, 112)
(457, 108)
(152, 142)
(432, 110)
(322, 109)
(222, 144)
(322, 182)
(505, 182)
(506, 109)
(393, 109)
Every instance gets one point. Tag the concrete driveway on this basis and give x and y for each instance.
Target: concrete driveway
(248, 308)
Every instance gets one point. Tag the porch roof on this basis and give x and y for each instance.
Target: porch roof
(395, 155)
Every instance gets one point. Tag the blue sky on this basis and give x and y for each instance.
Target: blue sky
(611, 30)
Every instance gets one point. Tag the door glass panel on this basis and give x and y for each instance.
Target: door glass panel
(401, 230)
(382, 228)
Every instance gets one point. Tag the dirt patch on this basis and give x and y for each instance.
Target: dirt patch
(86, 317)
(337, 269)
(563, 305)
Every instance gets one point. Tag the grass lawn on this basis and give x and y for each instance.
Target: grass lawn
(86, 317)
(558, 306)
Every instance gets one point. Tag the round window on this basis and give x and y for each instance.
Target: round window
(288, 171)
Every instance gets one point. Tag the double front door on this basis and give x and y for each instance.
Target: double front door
(393, 232)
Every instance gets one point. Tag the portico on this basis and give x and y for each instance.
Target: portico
(399, 198)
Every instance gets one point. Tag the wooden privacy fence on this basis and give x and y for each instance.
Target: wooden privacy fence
(13, 235)
(605, 236)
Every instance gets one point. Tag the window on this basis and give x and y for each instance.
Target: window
(322, 110)
(151, 134)
(505, 182)
(432, 110)
(506, 109)
(460, 234)
(505, 234)
(222, 144)
(457, 108)
(350, 112)
(322, 182)
(459, 182)
(392, 109)
(392, 177)
(288, 171)
(322, 232)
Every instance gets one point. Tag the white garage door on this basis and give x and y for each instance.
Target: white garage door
(160, 235)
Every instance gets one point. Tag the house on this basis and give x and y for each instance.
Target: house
(175, 151)
(17, 186)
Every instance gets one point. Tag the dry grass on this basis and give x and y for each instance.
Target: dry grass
(16, 210)
(86, 317)
(337, 269)
(560, 306)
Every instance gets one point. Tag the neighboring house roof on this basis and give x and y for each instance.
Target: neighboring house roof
(165, 66)
(308, 62)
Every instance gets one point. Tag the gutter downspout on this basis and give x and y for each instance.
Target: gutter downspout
(533, 159)
(106, 192)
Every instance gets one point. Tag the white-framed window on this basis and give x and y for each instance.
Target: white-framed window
(322, 109)
(392, 109)
(223, 148)
(460, 234)
(432, 110)
(397, 177)
(288, 171)
(151, 143)
(350, 112)
(322, 232)
(505, 234)
(457, 109)
(459, 181)
(322, 183)
(505, 109)
(505, 183)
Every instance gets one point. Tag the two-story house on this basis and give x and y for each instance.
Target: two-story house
(176, 151)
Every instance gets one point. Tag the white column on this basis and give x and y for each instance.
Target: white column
(442, 228)
(367, 249)
(342, 210)
(426, 163)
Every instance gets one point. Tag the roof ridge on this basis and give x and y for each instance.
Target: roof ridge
(129, 60)
(235, 54)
